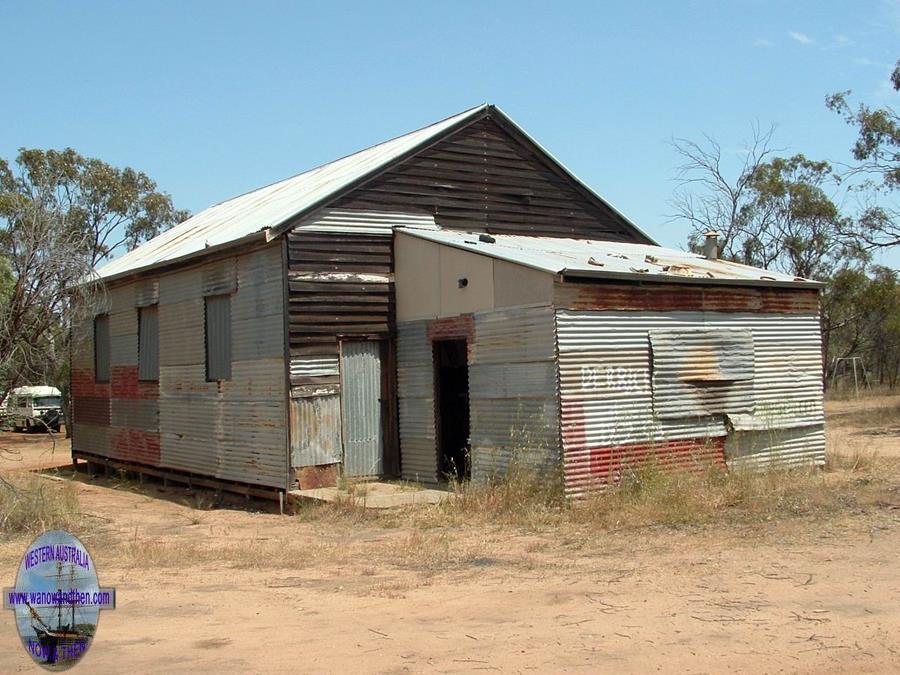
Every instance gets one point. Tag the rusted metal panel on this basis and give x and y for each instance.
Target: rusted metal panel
(362, 408)
(315, 430)
(452, 327)
(609, 464)
(415, 391)
(701, 371)
(513, 391)
(607, 388)
(661, 297)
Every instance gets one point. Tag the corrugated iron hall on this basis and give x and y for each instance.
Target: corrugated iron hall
(442, 304)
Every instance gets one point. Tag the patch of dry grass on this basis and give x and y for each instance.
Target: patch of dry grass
(141, 552)
(654, 496)
(31, 504)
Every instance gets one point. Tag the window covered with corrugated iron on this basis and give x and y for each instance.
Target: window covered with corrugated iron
(101, 348)
(148, 344)
(701, 371)
(218, 337)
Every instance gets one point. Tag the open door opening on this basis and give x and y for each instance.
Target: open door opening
(452, 393)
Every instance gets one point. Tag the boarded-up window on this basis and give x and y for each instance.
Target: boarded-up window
(702, 371)
(148, 344)
(218, 338)
(101, 348)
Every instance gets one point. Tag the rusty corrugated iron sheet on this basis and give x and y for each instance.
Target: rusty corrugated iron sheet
(233, 429)
(669, 297)
(513, 391)
(607, 395)
(315, 430)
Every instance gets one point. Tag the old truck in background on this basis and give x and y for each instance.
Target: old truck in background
(37, 408)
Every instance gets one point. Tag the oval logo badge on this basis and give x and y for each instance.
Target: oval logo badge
(57, 600)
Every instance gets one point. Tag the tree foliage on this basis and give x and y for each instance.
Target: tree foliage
(772, 212)
(113, 208)
(60, 215)
(862, 318)
(876, 152)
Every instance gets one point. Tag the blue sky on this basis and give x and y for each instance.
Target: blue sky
(214, 98)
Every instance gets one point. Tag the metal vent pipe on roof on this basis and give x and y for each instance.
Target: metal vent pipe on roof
(711, 245)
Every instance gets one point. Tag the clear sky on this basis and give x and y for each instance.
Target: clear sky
(215, 98)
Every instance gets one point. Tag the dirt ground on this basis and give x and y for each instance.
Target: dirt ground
(245, 590)
(32, 450)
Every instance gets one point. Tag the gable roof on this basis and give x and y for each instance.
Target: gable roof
(590, 258)
(268, 211)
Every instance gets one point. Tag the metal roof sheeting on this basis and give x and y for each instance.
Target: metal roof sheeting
(270, 206)
(608, 259)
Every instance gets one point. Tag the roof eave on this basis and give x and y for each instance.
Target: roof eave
(260, 236)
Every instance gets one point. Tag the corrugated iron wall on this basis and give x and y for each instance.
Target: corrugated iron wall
(607, 394)
(415, 398)
(119, 420)
(513, 391)
(231, 429)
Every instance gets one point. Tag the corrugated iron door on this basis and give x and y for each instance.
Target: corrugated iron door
(361, 394)
(315, 430)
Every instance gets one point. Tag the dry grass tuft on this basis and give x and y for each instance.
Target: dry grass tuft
(31, 504)
(144, 552)
(523, 497)
(655, 496)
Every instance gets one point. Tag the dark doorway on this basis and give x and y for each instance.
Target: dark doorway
(451, 371)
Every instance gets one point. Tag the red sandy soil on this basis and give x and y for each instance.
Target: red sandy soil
(807, 594)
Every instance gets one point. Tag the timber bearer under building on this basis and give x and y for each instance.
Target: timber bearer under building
(441, 304)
